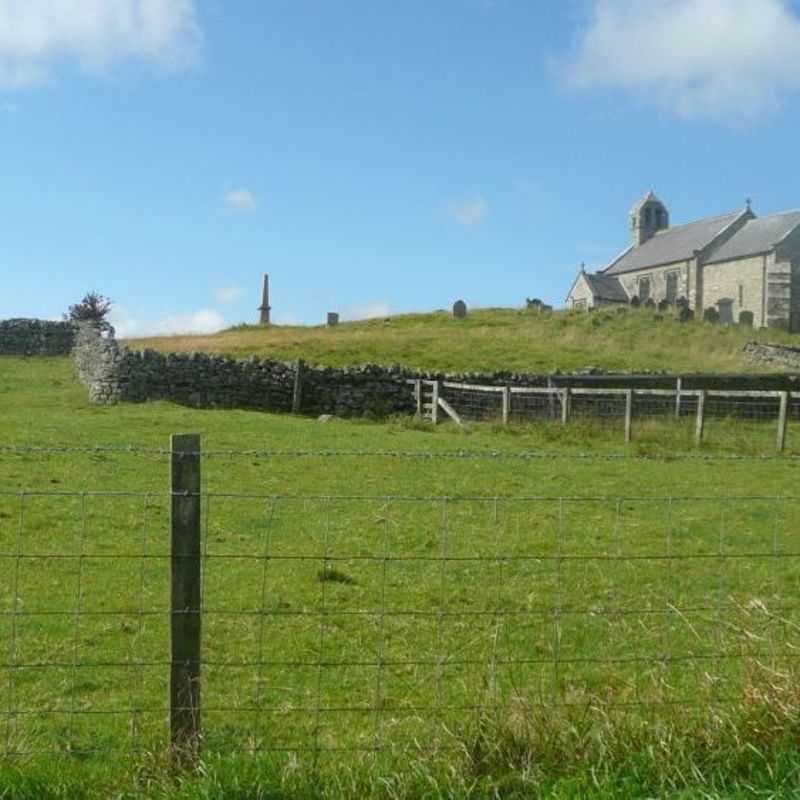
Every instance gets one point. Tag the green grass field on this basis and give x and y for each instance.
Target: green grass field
(496, 339)
(571, 625)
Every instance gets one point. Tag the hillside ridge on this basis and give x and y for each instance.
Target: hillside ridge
(495, 340)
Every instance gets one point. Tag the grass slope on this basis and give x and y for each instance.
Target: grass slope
(538, 619)
(495, 339)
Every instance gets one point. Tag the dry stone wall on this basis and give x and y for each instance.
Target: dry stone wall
(35, 337)
(773, 355)
(113, 373)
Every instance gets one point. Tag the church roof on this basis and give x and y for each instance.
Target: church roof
(759, 235)
(672, 244)
(606, 287)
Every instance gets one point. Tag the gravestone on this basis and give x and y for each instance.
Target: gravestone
(649, 303)
(711, 315)
(725, 307)
(459, 309)
(663, 306)
(746, 318)
(682, 302)
(685, 314)
(333, 319)
(635, 301)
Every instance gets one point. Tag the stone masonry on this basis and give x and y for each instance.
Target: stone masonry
(35, 337)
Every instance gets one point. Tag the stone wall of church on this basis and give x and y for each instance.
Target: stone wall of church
(779, 292)
(789, 251)
(658, 280)
(740, 281)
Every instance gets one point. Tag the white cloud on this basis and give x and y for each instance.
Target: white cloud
(228, 294)
(202, 321)
(35, 35)
(470, 211)
(720, 59)
(241, 200)
(372, 310)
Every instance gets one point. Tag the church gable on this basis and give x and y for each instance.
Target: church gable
(589, 291)
(759, 235)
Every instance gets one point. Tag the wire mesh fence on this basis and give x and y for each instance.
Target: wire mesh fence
(475, 403)
(369, 623)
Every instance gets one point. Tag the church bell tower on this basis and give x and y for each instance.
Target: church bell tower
(648, 217)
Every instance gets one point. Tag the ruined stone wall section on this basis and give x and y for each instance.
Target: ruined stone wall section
(773, 355)
(35, 337)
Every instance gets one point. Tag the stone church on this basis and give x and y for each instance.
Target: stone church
(735, 263)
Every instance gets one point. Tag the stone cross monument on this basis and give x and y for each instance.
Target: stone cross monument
(264, 307)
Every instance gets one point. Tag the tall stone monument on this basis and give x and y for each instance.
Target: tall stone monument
(264, 308)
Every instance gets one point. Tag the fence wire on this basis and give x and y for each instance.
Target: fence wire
(336, 624)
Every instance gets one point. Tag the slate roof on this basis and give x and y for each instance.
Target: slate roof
(759, 235)
(606, 287)
(671, 244)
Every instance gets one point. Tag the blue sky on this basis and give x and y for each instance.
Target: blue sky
(373, 156)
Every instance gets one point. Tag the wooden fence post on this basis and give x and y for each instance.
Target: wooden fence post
(184, 684)
(678, 387)
(297, 392)
(701, 410)
(782, 417)
(551, 398)
(566, 404)
(628, 414)
(418, 397)
(506, 404)
(435, 402)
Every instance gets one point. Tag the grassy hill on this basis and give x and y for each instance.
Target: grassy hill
(494, 339)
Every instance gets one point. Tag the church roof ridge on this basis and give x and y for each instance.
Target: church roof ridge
(697, 221)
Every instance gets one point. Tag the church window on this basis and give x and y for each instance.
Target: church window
(648, 216)
(741, 295)
(644, 289)
(672, 287)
